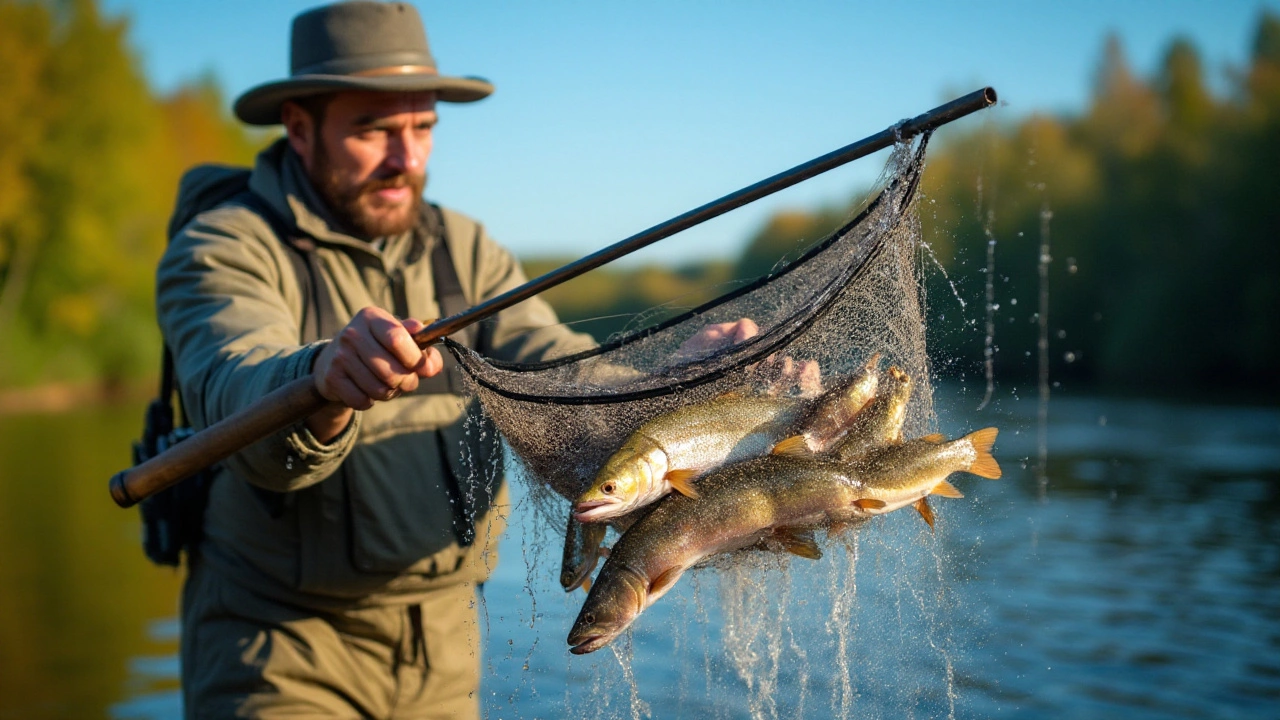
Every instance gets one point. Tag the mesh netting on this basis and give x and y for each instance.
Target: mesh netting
(847, 296)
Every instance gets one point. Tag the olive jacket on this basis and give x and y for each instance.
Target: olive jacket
(358, 521)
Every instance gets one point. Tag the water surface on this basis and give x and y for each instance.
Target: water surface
(1142, 579)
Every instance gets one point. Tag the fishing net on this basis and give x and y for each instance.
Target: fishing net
(836, 302)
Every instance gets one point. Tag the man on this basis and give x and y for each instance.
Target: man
(338, 571)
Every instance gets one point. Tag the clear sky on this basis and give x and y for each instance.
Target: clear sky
(610, 117)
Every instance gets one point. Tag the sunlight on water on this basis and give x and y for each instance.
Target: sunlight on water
(1144, 586)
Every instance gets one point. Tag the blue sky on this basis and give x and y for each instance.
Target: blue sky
(610, 117)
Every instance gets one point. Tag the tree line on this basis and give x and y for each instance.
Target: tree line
(1157, 200)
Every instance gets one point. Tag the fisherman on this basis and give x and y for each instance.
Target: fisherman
(339, 568)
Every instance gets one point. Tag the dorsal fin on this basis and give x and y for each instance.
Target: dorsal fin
(680, 482)
(794, 446)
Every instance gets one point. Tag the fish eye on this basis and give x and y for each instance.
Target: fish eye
(589, 618)
(607, 488)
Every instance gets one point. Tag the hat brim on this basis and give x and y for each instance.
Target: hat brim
(261, 105)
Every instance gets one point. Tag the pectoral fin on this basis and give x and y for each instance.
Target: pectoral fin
(664, 582)
(926, 512)
(586, 585)
(794, 446)
(869, 503)
(946, 489)
(934, 438)
(796, 543)
(681, 482)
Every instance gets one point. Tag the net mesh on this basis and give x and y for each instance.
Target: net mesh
(845, 297)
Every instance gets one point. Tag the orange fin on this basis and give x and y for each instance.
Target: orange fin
(603, 551)
(934, 437)
(586, 585)
(801, 544)
(984, 465)
(794, 446)
(679, 481)
(663, 582)
(926, 512)
(946, 489)
(869, 503)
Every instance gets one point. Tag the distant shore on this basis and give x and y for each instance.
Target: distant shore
(60, 397)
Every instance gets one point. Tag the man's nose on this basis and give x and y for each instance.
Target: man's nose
(407, 153)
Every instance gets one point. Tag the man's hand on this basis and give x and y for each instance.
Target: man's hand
(373, 358)
(714, 337)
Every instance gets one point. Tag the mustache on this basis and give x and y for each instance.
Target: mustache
(373, 185)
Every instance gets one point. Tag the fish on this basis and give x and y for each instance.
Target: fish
(880, 423)
(769, 500)
(832, 415)
(583, 548)
(775, 500)
(667, 453)
(906, 474)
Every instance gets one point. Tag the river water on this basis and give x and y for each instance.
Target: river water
(1140, 579)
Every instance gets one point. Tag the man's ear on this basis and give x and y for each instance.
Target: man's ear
(300, 129)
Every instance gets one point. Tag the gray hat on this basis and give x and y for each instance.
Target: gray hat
(357, 45)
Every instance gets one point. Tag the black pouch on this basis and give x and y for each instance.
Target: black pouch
(172, 519)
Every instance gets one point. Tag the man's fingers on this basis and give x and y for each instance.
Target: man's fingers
(397, 340)
(432, 363)
(745, 328)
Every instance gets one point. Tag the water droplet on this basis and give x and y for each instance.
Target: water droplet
(1072, 267)
(1102, 420)
(1069, 356)
(1062, 334)
(288, 462)
(1013, 301)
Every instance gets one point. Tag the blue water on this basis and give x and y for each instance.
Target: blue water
(1140, 579)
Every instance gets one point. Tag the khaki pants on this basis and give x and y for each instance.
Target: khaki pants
(246, 656)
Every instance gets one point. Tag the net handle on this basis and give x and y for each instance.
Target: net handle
(294, 402)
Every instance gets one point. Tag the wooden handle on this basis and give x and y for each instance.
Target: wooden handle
(273, 412)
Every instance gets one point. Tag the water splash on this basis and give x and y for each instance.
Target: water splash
(1042, 345)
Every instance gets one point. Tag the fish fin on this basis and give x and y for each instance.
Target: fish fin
(586, 584)
(869, 503)
(603, 551)
(934, 438)
(926, 512)
(679, 481)
(946, 489)
(873, 362)
(663, 582)
(794, 446)
(796, 543)
(984, 465)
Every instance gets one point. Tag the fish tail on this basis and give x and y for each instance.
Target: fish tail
(984, 465)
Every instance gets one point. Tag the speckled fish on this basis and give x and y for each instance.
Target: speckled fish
(880, 423)
(777, 499)
(668, 452)
(832, 415)
(906, 474)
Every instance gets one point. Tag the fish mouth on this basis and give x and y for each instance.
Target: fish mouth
(592, 510)
(589, 643)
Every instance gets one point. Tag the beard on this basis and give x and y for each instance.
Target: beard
(358, 208)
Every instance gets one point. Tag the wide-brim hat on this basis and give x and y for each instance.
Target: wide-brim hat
(357, 45)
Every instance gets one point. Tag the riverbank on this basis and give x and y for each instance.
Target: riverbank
(61, 397)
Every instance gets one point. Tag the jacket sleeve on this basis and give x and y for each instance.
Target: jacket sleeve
(229, 307)
(528, 331)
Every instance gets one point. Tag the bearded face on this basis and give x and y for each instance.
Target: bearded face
(361, 206)
(366, 155)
